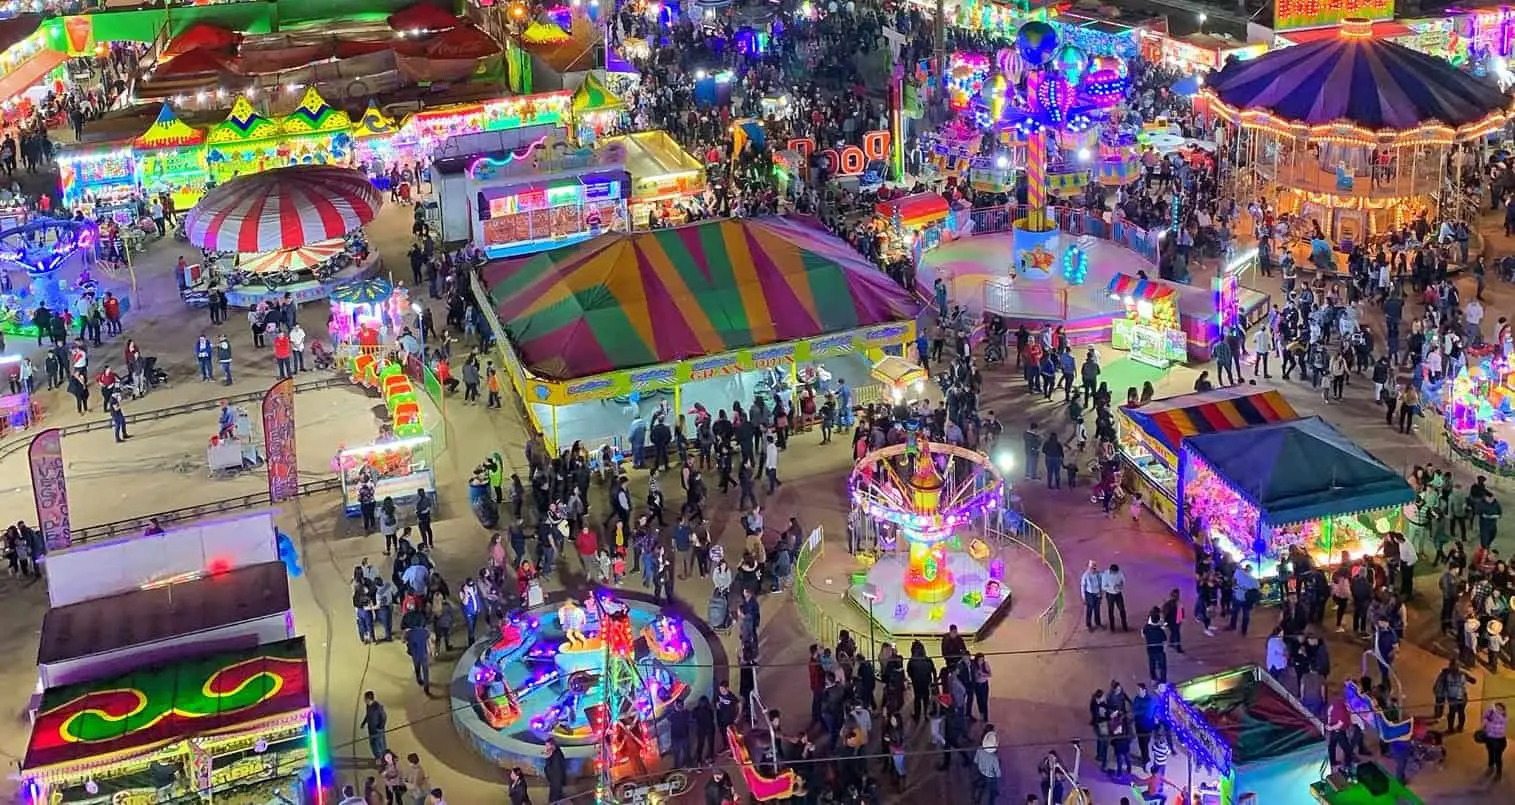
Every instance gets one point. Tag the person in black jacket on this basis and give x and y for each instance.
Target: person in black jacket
(718, 789)
(704, 731)
(1156, 639)
(518, 793)
(555, 769)
(921, 671)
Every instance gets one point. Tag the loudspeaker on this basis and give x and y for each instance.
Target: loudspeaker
(1373, 778)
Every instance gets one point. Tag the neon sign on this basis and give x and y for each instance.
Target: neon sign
(1293, 14)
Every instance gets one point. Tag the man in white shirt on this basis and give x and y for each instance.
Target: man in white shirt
(771, 463)
(1113, 584)
(1473, 312)
(1092, 585)
(297, 347)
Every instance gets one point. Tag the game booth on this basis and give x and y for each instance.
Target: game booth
(1259, 491)
(1150, 330)
(662, 175)
(171, 159)
(232, 727)
(100, 181)
(598, 335)
(1240, 737)
(1478, 406)
(1150, 437)
(541, 196)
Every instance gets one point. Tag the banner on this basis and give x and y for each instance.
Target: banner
(49, 489)
(279, 441)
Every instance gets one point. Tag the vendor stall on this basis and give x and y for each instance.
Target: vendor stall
(171, 159)
(662, 176)
(596, 111)
(243, 144)
(1150, 330)
(633, 318)
(234, 727)
(99, 181)
(1258, 492)
(370, 144)
(395, 468)
(1202, 52)
(316, 133)
(902, 378)
(1151, 437)
(1240, 736)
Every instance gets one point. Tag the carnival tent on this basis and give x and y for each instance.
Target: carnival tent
(1358, 81)
(374, 122)
(622, 301)
(159, 705)
(422, 16)
(168, 131)
(1124, 285)
(1300, 470)
(201, 35)
(592, 96)
(1174, 419)
(194, 62)
(282, 208)
(462, 42)
(914, 210)
(242, 124)
(315, 116)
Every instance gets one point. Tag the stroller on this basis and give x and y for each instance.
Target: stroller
(152, 376)
(718, 613)
(320, 357)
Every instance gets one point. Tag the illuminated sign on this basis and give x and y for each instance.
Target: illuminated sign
(1292, 14)
(714, 367)
(653, 377)
(773, 356)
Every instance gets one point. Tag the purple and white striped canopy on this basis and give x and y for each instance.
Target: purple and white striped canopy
(1360, 81)
(282, 209)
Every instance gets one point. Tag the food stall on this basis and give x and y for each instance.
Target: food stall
(396, 467)
(371, 149)
(662, 175)
(596, 111)
(244, 143)
(1150, 437)
(171, 159)
(1259, 491)
(229, 727)
(542, 196)
(904, 379)
(1203, 53)
(1150, 330)
(100, 181)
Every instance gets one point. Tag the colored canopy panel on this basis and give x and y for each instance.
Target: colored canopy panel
(194, 62)
(201, 35)
(282, 209)
(915, 208)
(315, 116)
(1124, 285)
(374, 122)
(1301, 470)
(422, 16)
(1252, 718)
(242, 125)
(592, 96)
(544, 33)
(622, 301)
(1174, 419)
(29, 72)
(156, 706)
(1358, 80)
(168, 131)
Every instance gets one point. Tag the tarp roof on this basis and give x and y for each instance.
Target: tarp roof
(201, 35)
(623, 301)
(915, 207)
(422, 16)
(373, 122)
(651, 154)
(243, 123)
(1124, 285)
(152, 707)
(1301, 470)
(1173, 419)
(168, 131)
(592, 96)
(315, 115)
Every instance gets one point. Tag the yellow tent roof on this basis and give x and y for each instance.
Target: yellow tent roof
(592, 96)
(374, 122)
(544, 33)
(315, 115)
(243, 124)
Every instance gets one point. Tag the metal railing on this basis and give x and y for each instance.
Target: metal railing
(1030, 536)
(1071, 220)
(820, 625)
(134, 525)
(20, 441)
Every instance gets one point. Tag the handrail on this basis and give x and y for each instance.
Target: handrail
(1071, 220)
(135, 524)
(820, 625)
(14, 445)
(1048, 552)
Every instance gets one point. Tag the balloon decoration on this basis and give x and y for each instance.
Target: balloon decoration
(1071, 63)
(1075, 266)
(1036, 42)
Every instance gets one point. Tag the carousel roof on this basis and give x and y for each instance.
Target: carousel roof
(1356, 86)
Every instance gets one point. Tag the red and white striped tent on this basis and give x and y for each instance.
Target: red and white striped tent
(283, 208)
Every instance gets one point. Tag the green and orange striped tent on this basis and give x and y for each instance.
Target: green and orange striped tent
(624, 301)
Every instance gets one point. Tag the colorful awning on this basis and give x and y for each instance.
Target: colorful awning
(592, 96)
(1124, 285)
(168, 131)
(915, 209)
(1173, 419)
(152, 707)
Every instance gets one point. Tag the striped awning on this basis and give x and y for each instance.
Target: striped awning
(1173, 419)
(1124, 285)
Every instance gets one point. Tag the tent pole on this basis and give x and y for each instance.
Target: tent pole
(554, 410)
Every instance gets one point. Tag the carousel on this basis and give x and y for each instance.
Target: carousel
(295, 231)
(1352, 136)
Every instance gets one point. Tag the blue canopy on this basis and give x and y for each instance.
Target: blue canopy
(1358, 80)
(1301, 470)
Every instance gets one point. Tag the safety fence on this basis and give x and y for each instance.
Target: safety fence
(820, 625)
(1015, 529)
(20, 441)
(1075, 221)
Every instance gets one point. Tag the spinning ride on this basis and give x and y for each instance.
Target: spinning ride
(1479, 406)
(935, 503)
(580, 674)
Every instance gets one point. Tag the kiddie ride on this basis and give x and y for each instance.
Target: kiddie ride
(396, 389)
(591, 671)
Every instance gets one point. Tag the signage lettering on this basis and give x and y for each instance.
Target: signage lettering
(647, 377)
(589, 386)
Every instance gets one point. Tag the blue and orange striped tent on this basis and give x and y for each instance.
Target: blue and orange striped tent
(1171, 420)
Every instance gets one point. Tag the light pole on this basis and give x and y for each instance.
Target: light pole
(870, 592)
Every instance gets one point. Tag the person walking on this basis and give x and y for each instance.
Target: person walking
(375, 722)
(424, 504)
(418, 646)
(771, 463)
(223, 356)
(203, 351)
(1156, 639)
(1494, 740)
(1092, 584)
(117, 417)
(1113, 583)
